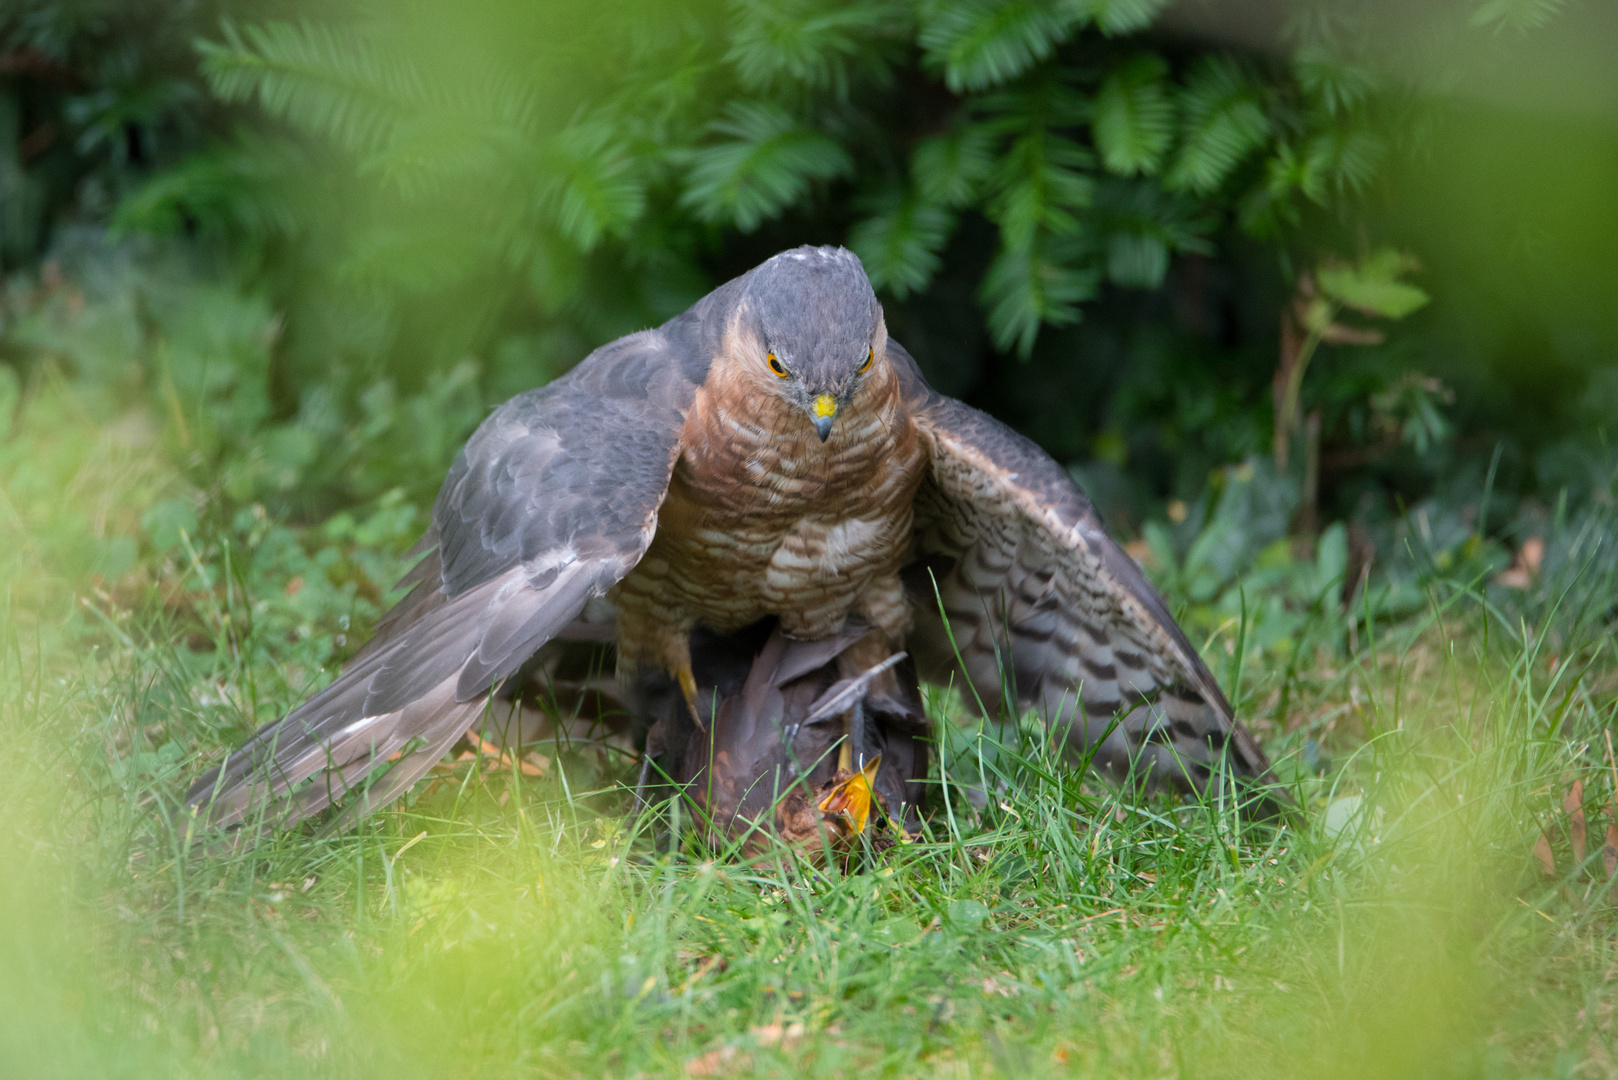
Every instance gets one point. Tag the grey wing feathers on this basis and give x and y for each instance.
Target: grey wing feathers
(1035, 589)
(554, 499)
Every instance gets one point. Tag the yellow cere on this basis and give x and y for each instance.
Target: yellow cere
(825, 405)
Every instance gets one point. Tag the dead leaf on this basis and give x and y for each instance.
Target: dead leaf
(1574, 805)
(992, 987)
(532, 763)
(1533, 553)
(1514, 578)
(720, 1062)
(1542, 852)
(776, 1035)
(1141, 552)
(1524, 567)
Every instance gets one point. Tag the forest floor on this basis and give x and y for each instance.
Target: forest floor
(1441, 908)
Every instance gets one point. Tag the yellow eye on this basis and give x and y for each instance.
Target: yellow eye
(775, 365)
(870, 355)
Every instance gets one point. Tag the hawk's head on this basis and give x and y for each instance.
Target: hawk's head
(817, 328)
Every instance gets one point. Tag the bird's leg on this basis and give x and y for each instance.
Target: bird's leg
(865, 654)
(845, 751)
(856, 734)
(649, 754)
(655, 639)
(676, 657)
(642, 781)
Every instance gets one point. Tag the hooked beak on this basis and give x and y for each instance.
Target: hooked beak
(825, 411)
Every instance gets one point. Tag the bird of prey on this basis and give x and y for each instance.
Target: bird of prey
(769, 454)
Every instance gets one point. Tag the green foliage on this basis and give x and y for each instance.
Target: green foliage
(325, 80)
(1330, 83)
(246, 187)
(1134, 116)
(1122, 16)
(1372, 286)
(815, 45)
(1222, 122)
(900, 242)
(1411, 408)
(805, 108)
(764, 162)
(97, 98)
(1145, 225)
(1232, 564)
(983, 43)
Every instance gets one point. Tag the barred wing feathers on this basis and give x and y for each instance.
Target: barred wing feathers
(1034, 588)
(553, 500)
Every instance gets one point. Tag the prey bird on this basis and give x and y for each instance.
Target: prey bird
(769, 454)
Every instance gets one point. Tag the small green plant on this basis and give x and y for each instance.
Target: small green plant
(1373, 287)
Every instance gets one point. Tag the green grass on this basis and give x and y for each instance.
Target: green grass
(516, 927)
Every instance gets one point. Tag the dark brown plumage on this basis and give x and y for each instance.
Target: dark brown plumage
(767, 455)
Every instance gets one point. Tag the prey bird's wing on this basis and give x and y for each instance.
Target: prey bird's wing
(1040, 601)
(553, 500)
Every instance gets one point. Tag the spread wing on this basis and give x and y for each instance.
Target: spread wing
(553, 500)
(1037, 594)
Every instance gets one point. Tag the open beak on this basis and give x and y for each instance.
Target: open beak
(825, 411)
(853, 797)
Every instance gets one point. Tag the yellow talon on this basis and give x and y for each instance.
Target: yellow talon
(688, 687)
(853, 797)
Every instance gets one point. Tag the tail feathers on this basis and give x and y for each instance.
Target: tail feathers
(449, 720)
(283, 786)
(410, 696)
(282, 789)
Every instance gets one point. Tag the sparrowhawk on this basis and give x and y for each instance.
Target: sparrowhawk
(769, 453)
